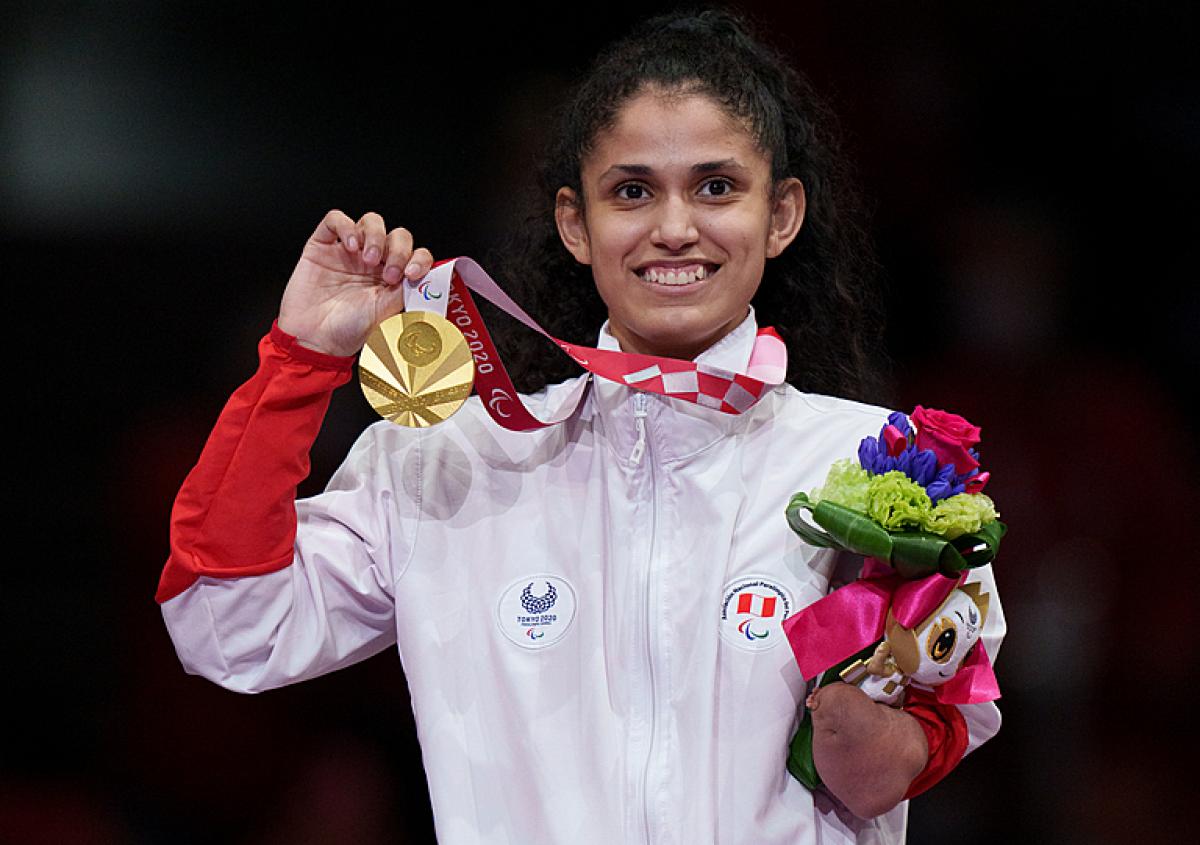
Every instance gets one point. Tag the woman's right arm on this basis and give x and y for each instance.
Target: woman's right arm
(247, 606)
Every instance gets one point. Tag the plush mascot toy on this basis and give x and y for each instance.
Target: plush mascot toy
(929, 654)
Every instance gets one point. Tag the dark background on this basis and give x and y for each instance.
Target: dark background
(161, 163)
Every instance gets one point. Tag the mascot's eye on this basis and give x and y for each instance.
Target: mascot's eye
(942, 637)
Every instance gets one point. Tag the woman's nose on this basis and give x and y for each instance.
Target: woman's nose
(675, 228)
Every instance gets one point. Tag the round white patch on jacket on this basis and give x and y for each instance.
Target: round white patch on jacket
(536, 610)
(753, 608)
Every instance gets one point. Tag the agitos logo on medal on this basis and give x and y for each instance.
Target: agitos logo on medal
(535, 611)
(752, 612)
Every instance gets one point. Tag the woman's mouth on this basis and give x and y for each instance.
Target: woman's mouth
(677, 275)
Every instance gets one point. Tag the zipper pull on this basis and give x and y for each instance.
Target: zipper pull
(639, 420)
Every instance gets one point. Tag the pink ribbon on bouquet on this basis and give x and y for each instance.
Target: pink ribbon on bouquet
(445, 290)
(853, 617)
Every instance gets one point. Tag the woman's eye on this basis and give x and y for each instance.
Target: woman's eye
(631, 192)
(716, 188)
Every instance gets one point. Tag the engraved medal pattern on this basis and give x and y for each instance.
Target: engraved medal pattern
(416, 369)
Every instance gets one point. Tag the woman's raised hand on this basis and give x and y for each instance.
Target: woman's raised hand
(349, 278)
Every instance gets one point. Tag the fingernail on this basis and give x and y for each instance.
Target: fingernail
(352, 243)
(371, 255)
(412, 270)
(392, 273)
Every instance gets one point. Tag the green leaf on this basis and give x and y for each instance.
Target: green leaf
(808, 532)
(913, 554)
(917, 553)
(988, 536)
(800, 755)
(856, 532)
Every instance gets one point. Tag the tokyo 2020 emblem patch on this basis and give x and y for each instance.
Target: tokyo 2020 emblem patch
(535, 611)
(753, 608)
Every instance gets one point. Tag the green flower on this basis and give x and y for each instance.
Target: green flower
(898, 503)
(965, 513)
(847, 485)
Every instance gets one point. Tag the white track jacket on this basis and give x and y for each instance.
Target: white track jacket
(587, 615)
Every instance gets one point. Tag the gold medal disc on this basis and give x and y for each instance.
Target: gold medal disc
(416, 369)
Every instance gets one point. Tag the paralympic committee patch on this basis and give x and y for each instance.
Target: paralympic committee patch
(535, 611)
(753, 608)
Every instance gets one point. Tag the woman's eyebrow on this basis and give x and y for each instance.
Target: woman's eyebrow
(646, 170)
(629, 170)
(711, 166)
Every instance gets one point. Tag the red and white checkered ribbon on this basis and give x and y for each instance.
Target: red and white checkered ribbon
(446, 291)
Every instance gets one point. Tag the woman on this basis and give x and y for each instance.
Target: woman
(571, 605)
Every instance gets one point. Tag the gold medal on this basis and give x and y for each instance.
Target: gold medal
(416, 369)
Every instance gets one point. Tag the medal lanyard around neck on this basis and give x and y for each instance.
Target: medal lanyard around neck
(446, 291)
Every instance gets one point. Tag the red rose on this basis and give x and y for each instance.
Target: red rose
(948, 435)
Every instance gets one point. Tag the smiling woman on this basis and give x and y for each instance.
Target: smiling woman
(597, 605)
(678, 216)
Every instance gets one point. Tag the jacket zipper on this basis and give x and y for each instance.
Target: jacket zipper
(640, 405)
(639, 422)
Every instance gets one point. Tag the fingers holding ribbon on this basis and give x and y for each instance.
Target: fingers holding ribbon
(402, 261)
(419, 265)
(391, 252)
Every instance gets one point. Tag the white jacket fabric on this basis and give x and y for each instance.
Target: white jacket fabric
(587, 615)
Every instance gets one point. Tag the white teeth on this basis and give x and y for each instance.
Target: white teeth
(672, 277)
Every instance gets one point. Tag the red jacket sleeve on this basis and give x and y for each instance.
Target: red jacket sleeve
(945, 731)
(235, 514)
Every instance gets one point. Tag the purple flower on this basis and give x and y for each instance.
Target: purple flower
(901, 422)
(940, 487)
(873, 456)
(924, 467)
(946, 484)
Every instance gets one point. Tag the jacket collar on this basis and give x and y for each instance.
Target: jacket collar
(675, 428)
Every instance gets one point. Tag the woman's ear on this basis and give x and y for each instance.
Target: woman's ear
(568, 216)
(787, 215)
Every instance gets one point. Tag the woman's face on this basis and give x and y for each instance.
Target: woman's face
(679, 216)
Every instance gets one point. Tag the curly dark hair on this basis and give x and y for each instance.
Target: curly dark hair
(820, 293)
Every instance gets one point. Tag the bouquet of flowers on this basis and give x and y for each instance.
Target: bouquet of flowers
(914, 506)
(914, 499)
